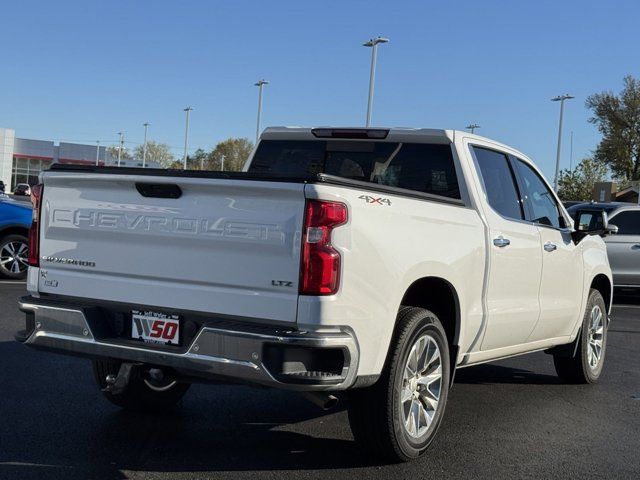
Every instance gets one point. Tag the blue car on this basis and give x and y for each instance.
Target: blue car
(15, 220)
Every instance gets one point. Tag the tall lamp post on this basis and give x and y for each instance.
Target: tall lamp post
(260, 84)
(373, 43)
(561, 99)
(144, 147)
(473, 127)
(186, 138)
(120, 146)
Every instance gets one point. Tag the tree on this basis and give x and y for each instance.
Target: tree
(156, 152)
(617, 117)
(577, 184)
(198, 160)
(113, 152)
(235, 152)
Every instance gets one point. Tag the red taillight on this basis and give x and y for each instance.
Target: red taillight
(320, 272)
(34, 231)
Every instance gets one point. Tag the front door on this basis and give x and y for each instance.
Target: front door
(562, 265)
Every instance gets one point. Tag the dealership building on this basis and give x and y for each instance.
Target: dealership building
(22, 159)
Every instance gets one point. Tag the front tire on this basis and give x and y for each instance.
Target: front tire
(586, 365)
(140, 395)
(14, 251)
(399, 416)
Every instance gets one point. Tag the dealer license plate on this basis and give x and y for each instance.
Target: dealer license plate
(155, 327)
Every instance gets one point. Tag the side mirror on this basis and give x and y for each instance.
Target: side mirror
(593, 222)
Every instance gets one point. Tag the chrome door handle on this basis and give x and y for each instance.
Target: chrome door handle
(550, 247)
(501, 241)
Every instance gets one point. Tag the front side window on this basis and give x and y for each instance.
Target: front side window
(421, 167)
(499, 183)
(542, 206)
(628, 223)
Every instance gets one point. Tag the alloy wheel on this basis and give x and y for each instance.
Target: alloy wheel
(595, 337)
(13, 257)
(421, 386)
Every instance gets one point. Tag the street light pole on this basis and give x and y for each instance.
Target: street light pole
(473, 127)
(373, 43)
(97, 152)
(186, 138)
(561, 99)
(260, 84)
(571, 152)
(222, 163)
(120, 146)
(144, 148)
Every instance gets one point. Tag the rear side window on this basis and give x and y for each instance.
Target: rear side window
(499, 183)
(427, 168)
(628, 223)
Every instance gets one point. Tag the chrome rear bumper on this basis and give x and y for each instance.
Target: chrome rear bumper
(214, 353)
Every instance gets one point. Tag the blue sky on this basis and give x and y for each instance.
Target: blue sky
(84, 70)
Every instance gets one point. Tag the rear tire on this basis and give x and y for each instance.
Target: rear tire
(140, 394)
(399, 416)
(586, 365)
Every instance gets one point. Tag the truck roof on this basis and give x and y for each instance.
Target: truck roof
(397, 134)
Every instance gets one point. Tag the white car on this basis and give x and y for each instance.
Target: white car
(376, 261)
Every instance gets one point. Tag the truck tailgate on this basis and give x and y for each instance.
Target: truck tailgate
(225, 246)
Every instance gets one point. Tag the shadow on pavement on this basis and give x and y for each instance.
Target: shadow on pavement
(491, 373)
(216, 428)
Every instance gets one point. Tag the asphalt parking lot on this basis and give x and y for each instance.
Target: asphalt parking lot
(511, 419)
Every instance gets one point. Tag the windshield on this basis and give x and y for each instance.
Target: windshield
(427, 168)
(592, 206)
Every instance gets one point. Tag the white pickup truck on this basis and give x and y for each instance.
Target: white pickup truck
(376, 261)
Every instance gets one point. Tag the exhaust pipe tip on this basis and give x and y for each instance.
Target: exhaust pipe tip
(325, 401)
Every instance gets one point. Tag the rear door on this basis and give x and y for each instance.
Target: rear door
(229, 247)
(562, 264)
(623, 249)
(515, 258)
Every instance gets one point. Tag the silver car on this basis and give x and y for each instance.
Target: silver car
(623, 248)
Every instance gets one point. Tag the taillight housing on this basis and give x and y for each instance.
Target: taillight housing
(34, 231)
(320, 265)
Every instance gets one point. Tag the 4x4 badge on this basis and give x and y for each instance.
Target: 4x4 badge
(378, 200)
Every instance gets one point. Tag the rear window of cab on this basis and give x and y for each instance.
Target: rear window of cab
(421, 167)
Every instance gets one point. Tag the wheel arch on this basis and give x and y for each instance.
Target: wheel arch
(441, 297)
(603, 284)
(14, 229)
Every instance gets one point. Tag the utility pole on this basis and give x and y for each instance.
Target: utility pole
(186, 138)
(97, 152)
(473, 127)
(373, 43)
(222, 163)
(144, 148)
(260, 84)
(561, 99)
(120, 147)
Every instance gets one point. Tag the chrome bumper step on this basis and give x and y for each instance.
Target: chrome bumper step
(213, 353)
